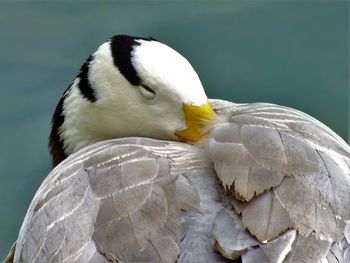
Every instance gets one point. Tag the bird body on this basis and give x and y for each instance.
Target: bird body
(264, 182)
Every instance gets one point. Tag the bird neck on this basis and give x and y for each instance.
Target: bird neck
(69, 122)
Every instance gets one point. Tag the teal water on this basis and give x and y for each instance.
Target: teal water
(293, 53)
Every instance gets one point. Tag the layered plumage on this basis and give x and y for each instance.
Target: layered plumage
(267, 184)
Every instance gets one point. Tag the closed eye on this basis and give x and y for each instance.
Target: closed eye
(147, 92)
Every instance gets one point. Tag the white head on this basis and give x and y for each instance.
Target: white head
(130, 87)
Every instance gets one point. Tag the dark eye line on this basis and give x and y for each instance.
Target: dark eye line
(148, 88)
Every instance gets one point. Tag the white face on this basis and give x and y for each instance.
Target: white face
(123, 109)
(162, 68)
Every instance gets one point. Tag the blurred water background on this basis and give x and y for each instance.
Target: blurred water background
(293, 53)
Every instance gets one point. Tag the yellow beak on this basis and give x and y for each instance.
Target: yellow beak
(196, 119)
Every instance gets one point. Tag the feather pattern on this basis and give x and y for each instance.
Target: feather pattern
(283, 170)
(268, 184)
(114, 201)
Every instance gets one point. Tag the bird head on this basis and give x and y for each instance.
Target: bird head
(130, 86)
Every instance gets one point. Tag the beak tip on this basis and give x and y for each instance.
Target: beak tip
(197, 118)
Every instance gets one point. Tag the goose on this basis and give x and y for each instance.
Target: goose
(148, 169)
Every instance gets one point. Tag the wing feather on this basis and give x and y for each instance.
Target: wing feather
(116, 200)
(282, 170)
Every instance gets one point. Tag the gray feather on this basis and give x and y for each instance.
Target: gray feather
(197, 244)
(282, 169)
(233, 243)
(307, 250)
(277, 249)
(283, 174)
(255, 255)
(266, 218)
(186, 194)
(115, 200)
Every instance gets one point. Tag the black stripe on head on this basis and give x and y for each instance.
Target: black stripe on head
(55, 141)
(84, 84)
(122, 47)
